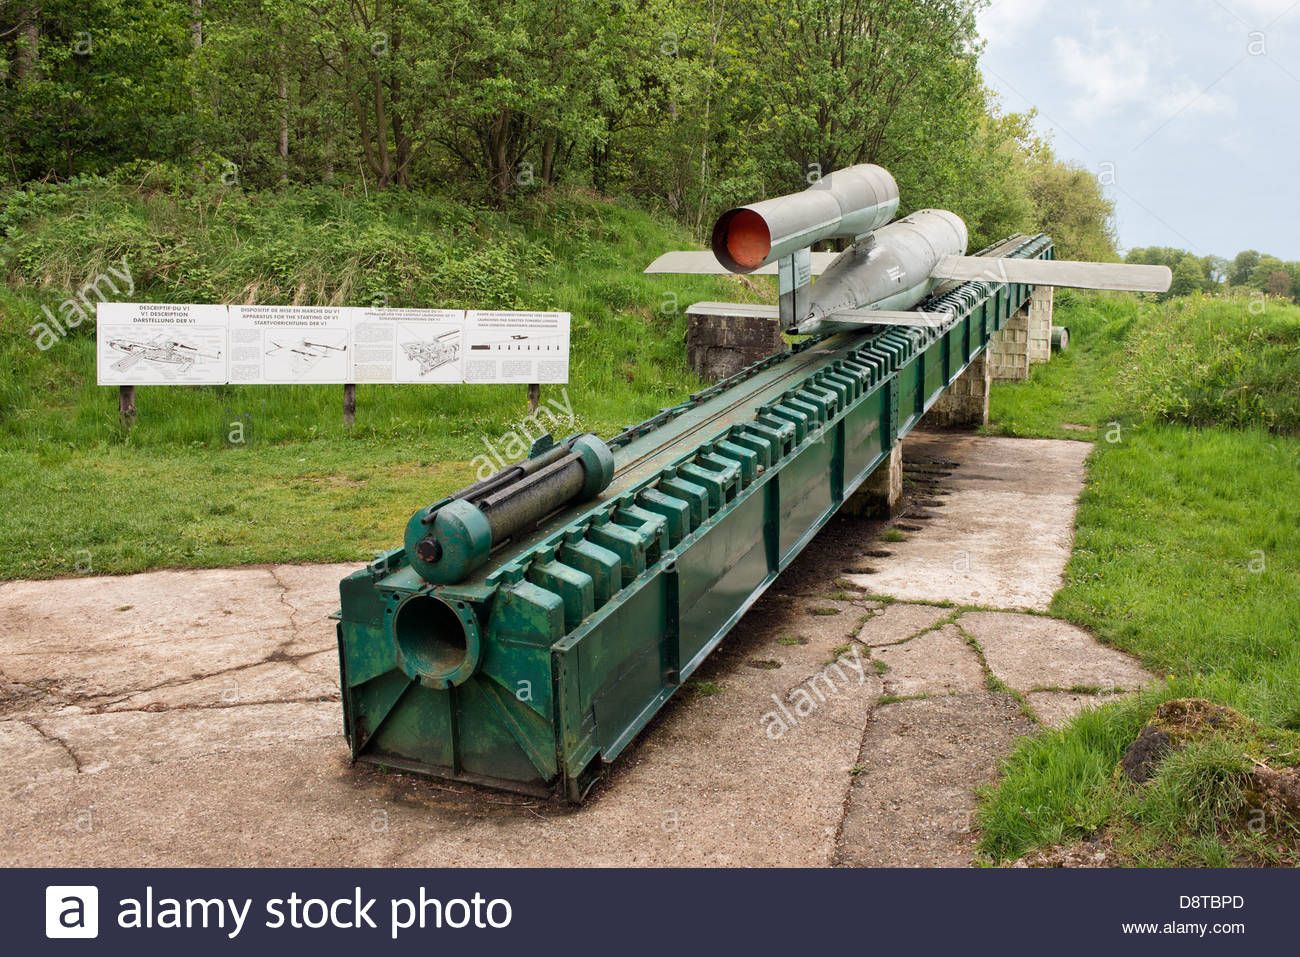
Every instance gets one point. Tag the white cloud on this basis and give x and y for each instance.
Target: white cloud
(1265, 10)
(1118, 73)
(1003, 20)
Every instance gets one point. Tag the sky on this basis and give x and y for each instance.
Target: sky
(1187, 110)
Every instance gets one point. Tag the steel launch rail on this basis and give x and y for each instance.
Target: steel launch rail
(535, 669)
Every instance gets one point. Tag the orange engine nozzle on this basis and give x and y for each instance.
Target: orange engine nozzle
(845, 204)
(747, 239)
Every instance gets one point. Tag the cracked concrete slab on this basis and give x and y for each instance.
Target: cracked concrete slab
(913, 796)
(262, 682)
(216, 739)
(1034, 653)
(33, 751)
(229, 620)
(123, 739)
(1001, 535)
(898, 622)
(938, 662)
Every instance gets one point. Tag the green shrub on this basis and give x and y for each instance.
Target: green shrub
(1217, 361)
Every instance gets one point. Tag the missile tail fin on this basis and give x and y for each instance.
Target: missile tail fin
(748, 310)
(1056, 272)
(889, 317)
(703, 263)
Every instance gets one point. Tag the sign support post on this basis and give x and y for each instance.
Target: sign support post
(126, 405)
(349, 404)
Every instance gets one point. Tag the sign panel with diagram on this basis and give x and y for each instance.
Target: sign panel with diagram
(407, 345)
(520, 347)
(160, 344)
(289, 344)
(147, 343)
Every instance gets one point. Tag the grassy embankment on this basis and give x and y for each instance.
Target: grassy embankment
(82, 495)
(1187, 554)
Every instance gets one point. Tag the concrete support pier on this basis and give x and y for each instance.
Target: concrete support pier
(882, 493)
(965, 403)
(720, 345)
(1040, 324)
(1008, 349)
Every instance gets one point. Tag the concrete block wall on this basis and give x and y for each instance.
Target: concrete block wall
(719, 346)
(882, 493)
(965, 403)
(1008, 348)
(1040, 324)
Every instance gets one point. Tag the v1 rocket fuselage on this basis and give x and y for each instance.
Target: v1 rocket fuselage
(889, 269)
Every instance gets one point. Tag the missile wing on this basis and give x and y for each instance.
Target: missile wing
(1056, 272)
(849, 317)
(692, 262)
(748, 310)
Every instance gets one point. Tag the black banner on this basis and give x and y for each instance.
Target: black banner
(649, 911)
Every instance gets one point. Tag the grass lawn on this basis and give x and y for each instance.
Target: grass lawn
(1070, 397)
(1187, 554)
(116, 510)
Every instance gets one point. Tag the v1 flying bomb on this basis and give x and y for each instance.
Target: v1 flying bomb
(305, 353)
(891, 265)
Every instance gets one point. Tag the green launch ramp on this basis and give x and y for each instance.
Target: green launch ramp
(527, 631)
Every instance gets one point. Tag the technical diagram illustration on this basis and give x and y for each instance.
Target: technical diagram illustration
(433, 353)
(306, 353)
(160, 351)
(522, 342)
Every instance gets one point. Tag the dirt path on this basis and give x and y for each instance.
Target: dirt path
(193, 717)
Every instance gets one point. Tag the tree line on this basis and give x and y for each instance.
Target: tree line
(684, 105)
(1250, 271)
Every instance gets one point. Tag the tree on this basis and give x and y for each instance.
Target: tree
(990, 185)
(1156, 256)
(1243, 264)
(1216, 269)
(371, 48)
(1293, 270)
(515, 78)
(1192, 273)
(1072, 208)
(1189, 277)
(858, 81)
(690, 104)
(95, 83)
(1278, 283)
